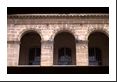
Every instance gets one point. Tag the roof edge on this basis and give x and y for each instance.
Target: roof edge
(56, 15)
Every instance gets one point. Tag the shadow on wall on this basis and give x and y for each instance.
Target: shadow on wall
(59, 70)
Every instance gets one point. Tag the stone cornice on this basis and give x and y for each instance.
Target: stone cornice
(57, 18)
(56, 15)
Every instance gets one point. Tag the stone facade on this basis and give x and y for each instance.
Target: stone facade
(47, 26)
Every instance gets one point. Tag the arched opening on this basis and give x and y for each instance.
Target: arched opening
(98, 49)
(30, 49)
(64, 49)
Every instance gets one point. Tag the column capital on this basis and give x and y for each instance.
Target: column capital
(47, 41)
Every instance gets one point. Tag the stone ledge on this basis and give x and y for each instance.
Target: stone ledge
(13, 42)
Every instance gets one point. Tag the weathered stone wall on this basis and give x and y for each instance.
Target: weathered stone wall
(47, 26)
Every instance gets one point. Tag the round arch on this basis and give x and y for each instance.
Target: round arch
(98, 46)
(64, 46)
(60, 31)
(102, 30)
(24, 31)
(30, 48)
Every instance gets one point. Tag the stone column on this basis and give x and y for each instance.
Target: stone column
(13, 53)
(82, 53)
(46, 53)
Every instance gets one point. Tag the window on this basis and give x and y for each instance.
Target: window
(64, 56)
(95, 56)
(34, 56)
(30, 48)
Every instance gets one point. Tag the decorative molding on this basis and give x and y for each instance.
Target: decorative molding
(13, 42)
(46, 42)
(55, 15)
(57, 18)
